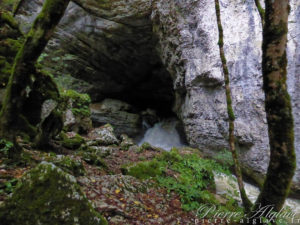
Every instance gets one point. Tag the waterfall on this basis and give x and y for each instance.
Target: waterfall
(163, 135)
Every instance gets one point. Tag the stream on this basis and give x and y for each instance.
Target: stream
(164, 135)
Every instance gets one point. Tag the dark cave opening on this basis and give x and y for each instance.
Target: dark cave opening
(153, 91)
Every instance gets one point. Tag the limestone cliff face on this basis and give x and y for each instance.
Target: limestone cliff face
(188, 47)
(163, 52)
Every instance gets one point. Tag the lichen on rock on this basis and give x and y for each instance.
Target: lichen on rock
(69, 165)
(71, 140)
(48, 195)
(103, 136)
(76, 111)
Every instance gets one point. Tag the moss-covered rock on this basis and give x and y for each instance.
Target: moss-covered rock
(93, 158)
(76, 109)
(70, 165)
(103, 136)
(143, 170)
(48, 195)
(146, 146)
(71, 140)
(126, 142)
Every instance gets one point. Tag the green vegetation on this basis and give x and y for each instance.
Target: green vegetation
(93, 159)
(188, 175)
(8, 186)
(144, 170)
(71, 142)
(11, 40)
(145, 146)
(69, 165)
(79, 102)
(48, 195)
(5, 147)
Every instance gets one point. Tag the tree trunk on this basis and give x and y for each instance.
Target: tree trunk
(17, 6)
(278, 107)
(261, 11)
(246, 202)
(21, 79)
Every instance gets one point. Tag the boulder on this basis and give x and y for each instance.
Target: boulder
(76, 112)
(71, 140)
(119, 114)
(126, 142)
(48, 195)
(69, 165)
(103, 136)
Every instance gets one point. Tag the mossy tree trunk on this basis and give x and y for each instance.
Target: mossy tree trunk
(278, 106)
(22, 76)
(261, 11)
(246, 202)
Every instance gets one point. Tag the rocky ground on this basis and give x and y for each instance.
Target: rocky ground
(98, 166)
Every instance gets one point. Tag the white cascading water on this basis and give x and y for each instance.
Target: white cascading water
(164, 135)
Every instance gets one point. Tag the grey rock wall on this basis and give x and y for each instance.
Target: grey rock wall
(191, 39)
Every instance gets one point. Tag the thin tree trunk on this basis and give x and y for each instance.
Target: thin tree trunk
(17, 6)
(278, 107)
(246, 202)
(261, 11)
(20, 82)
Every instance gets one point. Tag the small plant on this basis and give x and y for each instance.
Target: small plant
(144, 146)
(8, 186)
(5, 147)
(145, 170)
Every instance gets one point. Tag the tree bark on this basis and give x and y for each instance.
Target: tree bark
(17, 6)
(246, 202)
(278, 107)
(22, 76)
(261, 11)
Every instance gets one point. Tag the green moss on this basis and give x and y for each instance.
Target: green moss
(10, 42)
(71, 142)
(47, 195)
(188, 175)
(80, 102)
(7, 18)
(145, 146)
(171, 156)
(261, 11)
(72, 166)
(144, 170)
(93, 158)
(5, 147)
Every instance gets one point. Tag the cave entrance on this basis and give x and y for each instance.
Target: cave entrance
(141, 100)
(153, 90)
